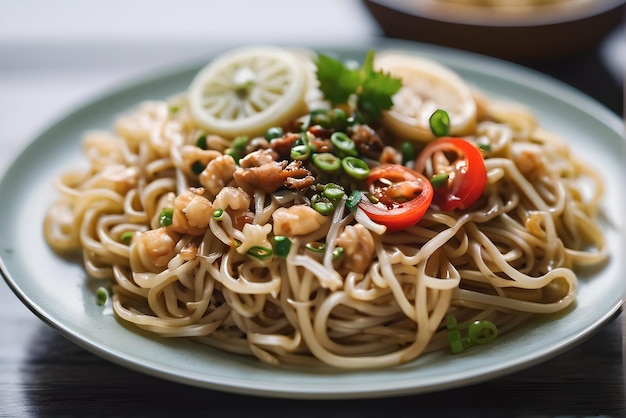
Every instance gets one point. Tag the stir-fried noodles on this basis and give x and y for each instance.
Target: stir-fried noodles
(256, 245)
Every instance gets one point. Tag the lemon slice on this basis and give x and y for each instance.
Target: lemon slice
(247, 90)
(426, 87)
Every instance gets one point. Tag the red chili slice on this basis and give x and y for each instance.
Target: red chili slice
(464, 166)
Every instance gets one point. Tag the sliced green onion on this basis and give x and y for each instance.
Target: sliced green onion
(327, 162)
(282, 245)
(316, 247)
(320, 117)
(274, 132)
(102, 296)
(485, 147)
(483, 144)
(201, 141)
(344, 144)
(333, 191)
(337, 252)
(173, 109)
(260, 252)
(353, 200)
(165, 217)
(322, 205)
(456, 342)
(339, 119)
(233, 153)
(451, 322)
(300, 150)
(482, 332)
(440, 123)
(240, 143)
(407, 149)
(127, 236)
(218, 214)
(355, 168)
(479, 332)
(197, 167)
(439, 180)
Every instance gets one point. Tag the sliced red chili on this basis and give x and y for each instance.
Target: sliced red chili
(464, 166)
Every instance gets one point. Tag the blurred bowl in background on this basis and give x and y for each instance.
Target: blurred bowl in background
(514, 32)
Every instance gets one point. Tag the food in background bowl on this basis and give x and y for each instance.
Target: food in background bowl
(513, 31)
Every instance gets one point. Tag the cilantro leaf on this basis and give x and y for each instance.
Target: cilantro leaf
(337, 82)
(373, 89)
(376, 93)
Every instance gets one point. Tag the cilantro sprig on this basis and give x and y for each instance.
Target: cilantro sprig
(372, 89)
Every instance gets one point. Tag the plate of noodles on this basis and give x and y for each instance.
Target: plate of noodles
(251, 224)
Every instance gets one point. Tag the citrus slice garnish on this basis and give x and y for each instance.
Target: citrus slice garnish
(247, 90)
(426, 87)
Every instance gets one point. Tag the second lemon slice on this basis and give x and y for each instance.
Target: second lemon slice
(426, 87)
(248, 90)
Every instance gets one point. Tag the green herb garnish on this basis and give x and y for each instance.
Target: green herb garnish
(373, 89)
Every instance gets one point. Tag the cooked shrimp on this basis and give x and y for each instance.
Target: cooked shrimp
(159, 245)
(529, 161)
(233, 199)
(218, 174)
(358, 245)
(192, 212)
(297, 220)
(192, 155)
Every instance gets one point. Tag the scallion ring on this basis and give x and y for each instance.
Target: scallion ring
(127, 236)
(273, 133)
(282, 245)
(482, 332)
(197, 167)
(333, 191)
(316, 247)
(320, 117)
(327, 162)
(439, 180)
(233, 153)
(201, 141)
(102, 296)
(218, 214)
(240, 143)
(260, 252)
(300, 150)
(337, 252)
(344, 144)
(165, 217)
(440, 123)
(355, 168)
(322, 205)
(407, 149)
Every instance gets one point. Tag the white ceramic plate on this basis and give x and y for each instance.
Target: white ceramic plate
(59, 293)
